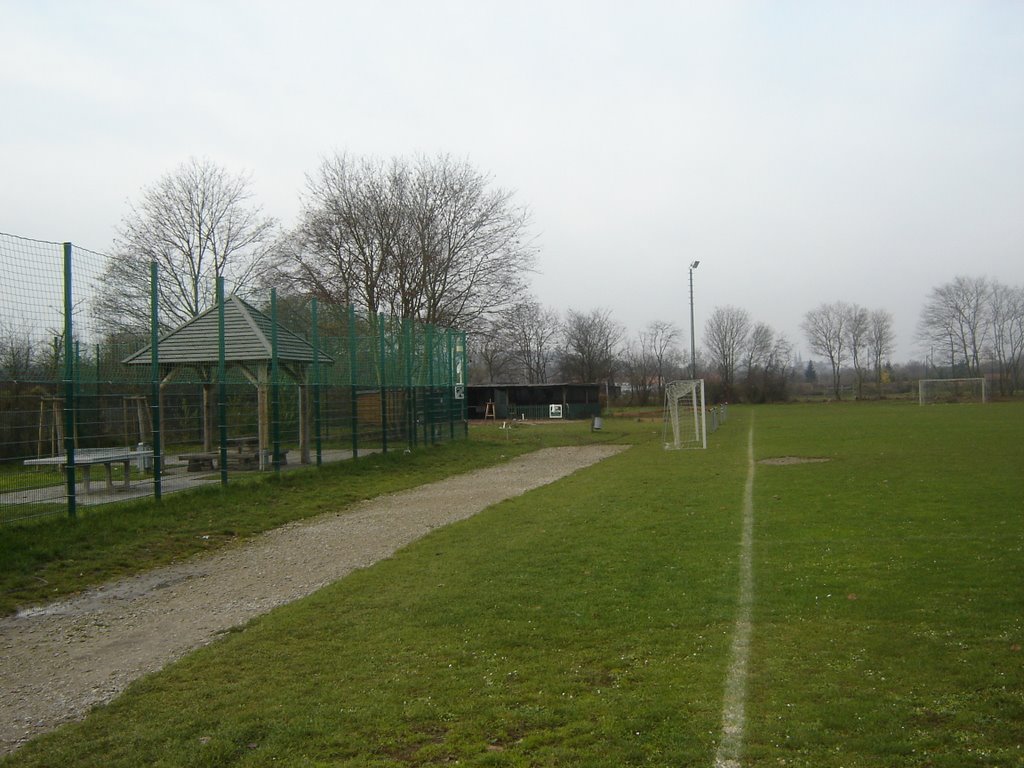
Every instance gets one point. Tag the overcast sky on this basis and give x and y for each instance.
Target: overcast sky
(804, 152)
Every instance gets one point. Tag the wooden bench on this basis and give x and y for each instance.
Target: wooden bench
(251, 459)
(207, 461)
(244, 460)
(200, 461)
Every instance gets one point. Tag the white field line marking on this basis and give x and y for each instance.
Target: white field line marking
(734, 701)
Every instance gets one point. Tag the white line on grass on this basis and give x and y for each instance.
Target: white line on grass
(734, 701)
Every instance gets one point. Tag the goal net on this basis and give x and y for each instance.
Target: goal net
(685, 425)
(951, 391)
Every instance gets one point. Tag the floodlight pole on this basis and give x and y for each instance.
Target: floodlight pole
(693, 342)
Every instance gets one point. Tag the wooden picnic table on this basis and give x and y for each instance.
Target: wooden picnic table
(88, 457)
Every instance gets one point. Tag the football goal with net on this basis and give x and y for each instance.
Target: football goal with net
(685, 423)
(951, 391)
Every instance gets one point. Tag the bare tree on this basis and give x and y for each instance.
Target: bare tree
(956, 318)
(767, 363)
(18, 353)
(431, 239)
(725, 337)
(589, 345)
(490, 361)
(20, 356)
(825, 329)
(661, 339)
(1007, 314)
(640, 368)
(758, 347)
(469, 244)
(197, 223)
(530, 333)
(858, 328)
(881, 341)
(776, 369)
(339, 251)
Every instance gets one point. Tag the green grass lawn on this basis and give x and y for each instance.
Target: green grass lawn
(589, 622)
(16, 477)
(47, 558)
(889, 611)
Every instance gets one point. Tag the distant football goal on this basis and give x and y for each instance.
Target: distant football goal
(685, 424)
(951, 391)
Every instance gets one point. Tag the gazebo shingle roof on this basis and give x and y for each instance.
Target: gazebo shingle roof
(247, 338)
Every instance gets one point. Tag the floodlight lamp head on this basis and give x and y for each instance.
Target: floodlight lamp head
(694, 265)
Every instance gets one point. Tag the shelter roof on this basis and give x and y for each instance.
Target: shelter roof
(247, 338)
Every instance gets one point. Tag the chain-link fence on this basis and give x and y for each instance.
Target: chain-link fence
(90, 416)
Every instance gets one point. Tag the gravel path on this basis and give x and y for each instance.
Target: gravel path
(59, 660)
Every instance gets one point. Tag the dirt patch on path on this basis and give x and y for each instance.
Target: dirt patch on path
(59, 660)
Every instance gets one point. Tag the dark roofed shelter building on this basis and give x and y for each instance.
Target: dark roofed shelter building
(248, 348)
(534, 401)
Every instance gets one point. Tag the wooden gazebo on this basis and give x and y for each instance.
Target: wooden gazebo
(248, 335)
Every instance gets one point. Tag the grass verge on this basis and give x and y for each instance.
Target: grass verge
(48, 558)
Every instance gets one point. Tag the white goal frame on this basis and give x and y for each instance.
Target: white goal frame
(954, 391)
(685, 415)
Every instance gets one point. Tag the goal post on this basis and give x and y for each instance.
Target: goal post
(951, 391)
(685, 423)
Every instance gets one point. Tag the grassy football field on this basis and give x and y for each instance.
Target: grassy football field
(591, 622)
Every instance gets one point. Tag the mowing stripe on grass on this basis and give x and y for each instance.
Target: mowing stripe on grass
(734, 701)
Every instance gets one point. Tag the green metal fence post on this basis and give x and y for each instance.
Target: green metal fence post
(410, 393)
(383, 385)
(353, 363)
(451, 383)
(154, 376)
(96, 394)
(69, 386)
(431, 410)
(275, 385)
(315, 386)
(76, 375)
(424, 390)
(222, 386)
(465, 384)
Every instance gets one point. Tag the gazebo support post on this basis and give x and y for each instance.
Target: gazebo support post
(208, 401)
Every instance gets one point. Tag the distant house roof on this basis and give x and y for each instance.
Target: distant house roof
(247, 338)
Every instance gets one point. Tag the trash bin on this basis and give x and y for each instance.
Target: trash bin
(596, 424)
